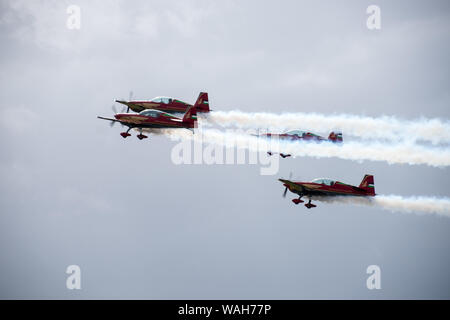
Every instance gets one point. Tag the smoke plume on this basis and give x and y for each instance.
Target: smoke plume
(435, 131)
(419, 204)
(392, 153)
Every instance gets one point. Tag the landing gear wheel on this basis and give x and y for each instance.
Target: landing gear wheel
(297, 201)
(141, 136)
(126, 134)
(309, 205)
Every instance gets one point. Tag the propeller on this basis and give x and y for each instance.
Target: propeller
(130, 97)
(286, 189)
(114, 109)
(111, 123)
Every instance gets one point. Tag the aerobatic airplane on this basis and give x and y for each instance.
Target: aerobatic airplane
(328, 188)
(150, 118)
(167, 104)
(295, 135)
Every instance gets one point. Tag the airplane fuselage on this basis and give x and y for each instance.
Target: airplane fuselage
(284, 136)
(317, 189)
(160, 120)
(175, 106)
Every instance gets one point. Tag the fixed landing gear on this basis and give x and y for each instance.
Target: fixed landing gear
(141, 136)
(283, 155)
(297, 201)
(126, 134)
(309, 205)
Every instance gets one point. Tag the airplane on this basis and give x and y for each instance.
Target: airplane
(294, 135)
(328, 188)
(167, 104)
(150, 118)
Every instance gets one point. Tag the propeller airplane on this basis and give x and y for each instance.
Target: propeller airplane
(328, 188)
(150, 118)
(296, 135)
(167, 104)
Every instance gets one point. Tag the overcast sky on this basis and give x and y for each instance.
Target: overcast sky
(72, 191)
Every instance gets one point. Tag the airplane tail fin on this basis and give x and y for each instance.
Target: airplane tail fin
(368, 185)
(190, 117)
(202, 102)
(335, 137)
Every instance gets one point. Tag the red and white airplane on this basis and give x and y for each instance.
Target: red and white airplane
(328, 188)
(151, 118)
(299, 135)
(167, 104)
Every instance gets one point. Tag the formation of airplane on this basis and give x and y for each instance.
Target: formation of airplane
(328, 188)
(296, 135)
(159, 113)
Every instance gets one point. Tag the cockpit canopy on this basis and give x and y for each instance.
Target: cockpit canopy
(299, 133)
(324, 181)
(165, 100)
(150, 113)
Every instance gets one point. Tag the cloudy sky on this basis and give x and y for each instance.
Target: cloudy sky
(73, 192)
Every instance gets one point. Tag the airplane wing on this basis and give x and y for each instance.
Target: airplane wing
(294, 186)
(110, 119)
(303, 188)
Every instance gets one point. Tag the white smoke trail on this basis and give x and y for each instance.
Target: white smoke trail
(391, 153)
(391, 128)
(440, 206)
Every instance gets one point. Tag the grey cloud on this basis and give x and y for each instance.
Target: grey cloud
(72, 191)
